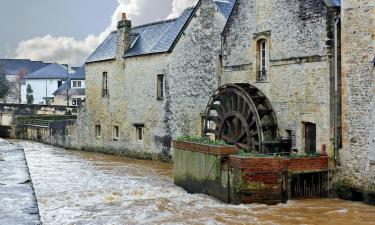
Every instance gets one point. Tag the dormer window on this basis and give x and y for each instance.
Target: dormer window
(262, 57)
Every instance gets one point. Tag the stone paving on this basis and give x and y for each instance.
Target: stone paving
(18, 202)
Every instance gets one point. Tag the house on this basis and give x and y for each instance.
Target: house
(44, 82)
(15, 70)
(148, 84)
(74, 88)
(273, 67)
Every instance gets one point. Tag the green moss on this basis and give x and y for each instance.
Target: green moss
(343, 190)
(200, 140)
(369, 194)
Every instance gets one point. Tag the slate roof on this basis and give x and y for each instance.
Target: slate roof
(15, 66)
(155, 37)
(52, 71)
(80, 74)
(333, 3)
(225, 6)
(62, 90)
(106, 50)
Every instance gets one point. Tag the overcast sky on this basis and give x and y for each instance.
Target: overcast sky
(67, 31)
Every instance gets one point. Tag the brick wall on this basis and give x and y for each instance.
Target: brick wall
(265, 180)
(206, 149)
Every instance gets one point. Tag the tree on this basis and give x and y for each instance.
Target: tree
(29, 95)
(4, 85)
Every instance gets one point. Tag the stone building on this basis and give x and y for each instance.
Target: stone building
(286, 50)
(148, 84)
(357, 157)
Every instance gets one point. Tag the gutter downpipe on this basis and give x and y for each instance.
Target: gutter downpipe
(336, 94)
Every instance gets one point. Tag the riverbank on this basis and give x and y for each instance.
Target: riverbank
(77, 187)
(18, 202)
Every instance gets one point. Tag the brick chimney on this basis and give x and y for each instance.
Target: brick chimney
(124, 28)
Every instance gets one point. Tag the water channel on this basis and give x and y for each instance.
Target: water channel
(74, 187)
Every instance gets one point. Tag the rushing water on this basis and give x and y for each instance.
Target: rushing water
(75, 187)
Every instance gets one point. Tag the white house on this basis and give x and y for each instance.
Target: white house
(15, 70)
(45, 82)
(74, 88)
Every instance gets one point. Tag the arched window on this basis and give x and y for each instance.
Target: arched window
(262, 56)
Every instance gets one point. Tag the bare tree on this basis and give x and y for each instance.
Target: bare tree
(4, 85)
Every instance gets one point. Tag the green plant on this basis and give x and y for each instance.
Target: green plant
(29, 95)
(256, 155)
(200, 140)
(304, 155)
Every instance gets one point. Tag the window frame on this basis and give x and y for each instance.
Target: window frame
(98, 131)
(262, 51)
(116, 133)
(160, 84)
(139, 132)
(105, 84)
(77, 83)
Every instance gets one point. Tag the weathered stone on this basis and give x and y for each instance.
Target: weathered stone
(357, 157)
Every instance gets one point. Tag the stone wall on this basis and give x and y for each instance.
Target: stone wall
(58, 133)
(357, 157)
(298, 61)
(202, 168)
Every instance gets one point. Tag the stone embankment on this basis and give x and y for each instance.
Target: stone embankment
(18, 202)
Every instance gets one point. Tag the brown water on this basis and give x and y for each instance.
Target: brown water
(89, 188)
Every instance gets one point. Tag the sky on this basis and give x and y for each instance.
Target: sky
(67, 31)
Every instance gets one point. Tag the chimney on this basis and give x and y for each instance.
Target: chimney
(124, 28)
(123, 17)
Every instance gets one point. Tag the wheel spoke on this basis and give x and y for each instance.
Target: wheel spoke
(239, 110)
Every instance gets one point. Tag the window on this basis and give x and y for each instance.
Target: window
(139, 131)
(98, 131)
(310, 137)
(105, 85)
(59, 83)
(77, 84)
(262, 69)
(116, 133)
(160, 87)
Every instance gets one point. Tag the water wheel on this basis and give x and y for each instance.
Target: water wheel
(240, 114)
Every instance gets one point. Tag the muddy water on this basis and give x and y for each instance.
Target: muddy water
(89, 188)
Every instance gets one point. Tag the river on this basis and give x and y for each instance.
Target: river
(74, 187)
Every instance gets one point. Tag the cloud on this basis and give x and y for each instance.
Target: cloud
(57, 49)
(74, 52)
(178, 6)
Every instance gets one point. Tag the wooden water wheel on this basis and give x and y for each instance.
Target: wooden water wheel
(240, 114)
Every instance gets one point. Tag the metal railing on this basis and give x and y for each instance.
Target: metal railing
(35, 123)
(262, 75)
